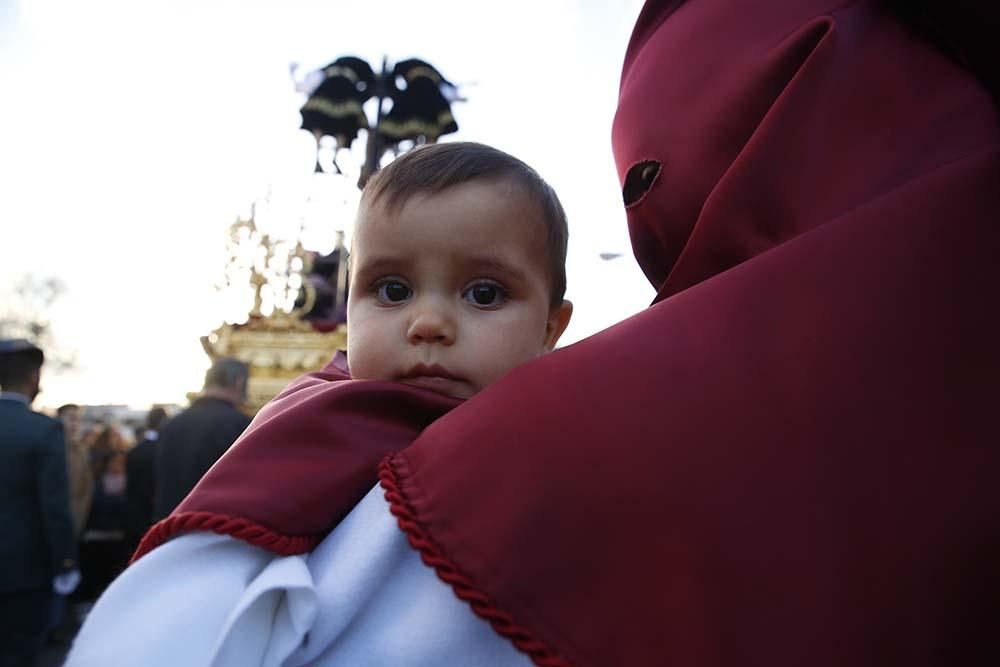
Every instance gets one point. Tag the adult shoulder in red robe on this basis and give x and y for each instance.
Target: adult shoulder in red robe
(791, 458)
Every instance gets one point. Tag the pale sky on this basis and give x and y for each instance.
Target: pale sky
(133, 132)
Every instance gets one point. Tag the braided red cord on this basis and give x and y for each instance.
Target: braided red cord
(484, 607)
(242, 529)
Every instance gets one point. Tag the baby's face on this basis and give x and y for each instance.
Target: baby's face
(450, 291)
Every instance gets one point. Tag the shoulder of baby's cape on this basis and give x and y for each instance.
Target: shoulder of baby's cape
(307, 458)
(335, 371)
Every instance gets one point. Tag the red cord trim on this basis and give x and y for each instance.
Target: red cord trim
(523, 638)
(242, 529)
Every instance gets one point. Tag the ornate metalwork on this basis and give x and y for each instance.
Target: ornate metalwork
(270, 276)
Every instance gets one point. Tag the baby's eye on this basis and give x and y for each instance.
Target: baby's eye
(485, 295)
(392, 291)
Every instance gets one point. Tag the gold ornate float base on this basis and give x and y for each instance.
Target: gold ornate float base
(278, 349)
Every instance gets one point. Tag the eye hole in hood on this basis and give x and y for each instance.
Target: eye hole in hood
(639, 180)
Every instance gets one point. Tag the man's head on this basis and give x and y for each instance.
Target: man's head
(69, 414)
(458, 270)
(154, 420)
(20, 367)
(227, 379)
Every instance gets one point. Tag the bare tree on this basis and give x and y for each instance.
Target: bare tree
(24, 313)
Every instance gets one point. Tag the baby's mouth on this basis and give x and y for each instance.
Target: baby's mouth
(435, 378)
(429, 371)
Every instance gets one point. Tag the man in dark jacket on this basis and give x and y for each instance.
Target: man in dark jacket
(38, 549)
(195, 439)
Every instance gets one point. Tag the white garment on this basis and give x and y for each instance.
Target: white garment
(363, 597)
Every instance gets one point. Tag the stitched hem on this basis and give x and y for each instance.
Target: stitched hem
(482, 604)
(239, 528)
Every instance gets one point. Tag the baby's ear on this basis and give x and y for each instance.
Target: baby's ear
(558, 321)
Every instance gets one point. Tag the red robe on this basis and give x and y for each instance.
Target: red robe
(792, 457)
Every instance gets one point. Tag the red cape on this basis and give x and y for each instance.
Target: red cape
(316, 445)
(792, 457)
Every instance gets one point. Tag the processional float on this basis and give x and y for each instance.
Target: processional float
(297, 295)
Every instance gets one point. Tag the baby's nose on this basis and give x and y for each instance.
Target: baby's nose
(431, 326)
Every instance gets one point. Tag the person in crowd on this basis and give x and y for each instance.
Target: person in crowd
(64, 621)
(195, 439)
(104, 551)
(38, 549)
(81, 476)
(103, 440)
(789, 458)
(141, 473)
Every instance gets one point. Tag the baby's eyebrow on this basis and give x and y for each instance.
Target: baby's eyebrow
(379, 264)
(495, 264)
(485, 263)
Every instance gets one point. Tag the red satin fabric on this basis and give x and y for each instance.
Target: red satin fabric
(791, 459)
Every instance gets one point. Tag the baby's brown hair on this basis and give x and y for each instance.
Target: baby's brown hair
(431, 169)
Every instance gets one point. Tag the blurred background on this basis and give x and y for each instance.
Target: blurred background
(135, 134)
(179, 183)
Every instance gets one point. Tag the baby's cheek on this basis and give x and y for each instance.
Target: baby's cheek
(363, 353)
(517, 351)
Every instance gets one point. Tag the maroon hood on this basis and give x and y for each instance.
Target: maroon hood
(792, 457)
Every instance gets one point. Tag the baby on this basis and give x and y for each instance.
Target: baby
(457, 276)
(457, 270)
